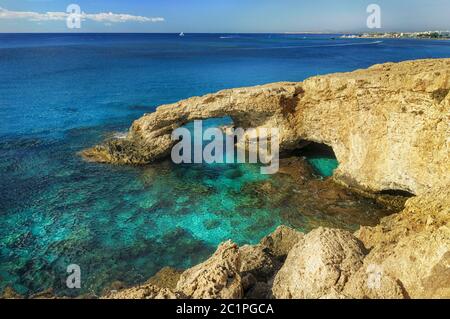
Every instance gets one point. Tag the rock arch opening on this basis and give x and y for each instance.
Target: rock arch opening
(320, 156)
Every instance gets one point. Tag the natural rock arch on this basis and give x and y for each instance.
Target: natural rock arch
(388, 125)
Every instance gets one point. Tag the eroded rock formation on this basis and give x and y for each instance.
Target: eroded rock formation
(411, 250)
(281, 241)
(388, 125)
(146, 291)
(406, 256)
(319, 264)
(216, 278)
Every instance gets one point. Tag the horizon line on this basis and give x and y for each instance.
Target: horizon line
(259, 32)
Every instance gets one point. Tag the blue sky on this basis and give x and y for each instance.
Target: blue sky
(226, 15)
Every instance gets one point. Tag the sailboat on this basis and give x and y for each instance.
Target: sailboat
(181, 34)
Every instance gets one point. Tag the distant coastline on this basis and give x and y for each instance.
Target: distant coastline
(425, 35)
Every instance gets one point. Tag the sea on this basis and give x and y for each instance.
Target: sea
(61, 93)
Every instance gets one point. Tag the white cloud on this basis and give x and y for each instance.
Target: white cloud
(106, 17)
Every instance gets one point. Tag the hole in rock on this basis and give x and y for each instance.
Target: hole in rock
(320, 156)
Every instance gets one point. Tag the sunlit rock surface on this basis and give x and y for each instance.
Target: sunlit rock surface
(389, 128)
(319, 264)
(388, 125)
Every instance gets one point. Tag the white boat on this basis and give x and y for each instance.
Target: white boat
(181, 34)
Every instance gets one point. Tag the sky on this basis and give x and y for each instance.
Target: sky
(223, 16)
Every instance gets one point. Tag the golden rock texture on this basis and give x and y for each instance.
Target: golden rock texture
(388, 125)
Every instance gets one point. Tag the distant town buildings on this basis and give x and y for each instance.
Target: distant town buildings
(398, 35)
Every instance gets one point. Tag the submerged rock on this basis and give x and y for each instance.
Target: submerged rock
(216, 278)
(297, 168)
(45, 294)
(319, 265)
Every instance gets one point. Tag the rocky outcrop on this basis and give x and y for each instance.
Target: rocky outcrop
(281, 241)
(261, 262)
(258, 266)
(216, 278)
(319, 265)
(10, 293)
(257, 262)
(388, 125)
(146, 291)
(231, 272)
(406, 256)
(410, 252)
(167, 277)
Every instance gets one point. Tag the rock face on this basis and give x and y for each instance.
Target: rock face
(146, 291)
(10, 293)
(319, 265)
(281, 241)
(216, 278)
(229, 273)
(258, 262)
(167, 277)
(410, 252)
(388, 125)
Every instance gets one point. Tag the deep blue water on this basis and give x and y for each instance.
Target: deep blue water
(61, 93)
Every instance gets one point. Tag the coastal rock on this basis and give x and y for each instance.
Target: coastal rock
(167, 277)
(334, 295)
(216, 278)
(389, 128)
(297, 168)
(319, 265)
(388, 125)
(113, 287)
(260, 290)
(10, 293)
(258, 266)
(412, 248)
(146, 291)
(369, 282)
(45, 294)
(257, 261)
(281, 241)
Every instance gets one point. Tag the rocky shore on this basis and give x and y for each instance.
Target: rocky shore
(389, 126)
(406, 256)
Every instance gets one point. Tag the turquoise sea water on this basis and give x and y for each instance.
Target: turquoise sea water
(62, 93)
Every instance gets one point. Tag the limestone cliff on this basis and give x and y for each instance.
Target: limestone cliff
(389, 125)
